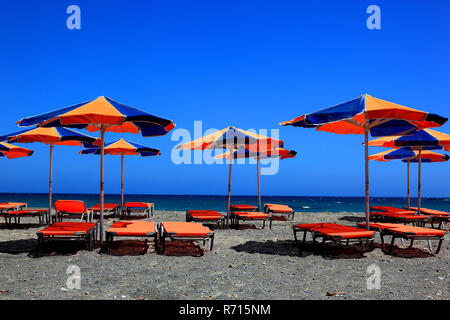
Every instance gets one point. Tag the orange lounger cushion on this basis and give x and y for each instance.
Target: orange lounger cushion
(203, 212)
(251, 215)
(138, 205)
(15, 204)
(392, 210)
(67, 228)
(132, 228)
(242, 207)
(335, 230)
(7, 206)
(106, 206)
(405, 230)
(185, 229)
(27, 212)
(431, 211)
(280, 208)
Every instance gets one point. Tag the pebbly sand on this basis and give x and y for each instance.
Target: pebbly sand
(249, 263)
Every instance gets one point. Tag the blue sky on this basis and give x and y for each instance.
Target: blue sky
(245, 63)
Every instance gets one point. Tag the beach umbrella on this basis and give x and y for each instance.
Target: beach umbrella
(231, 139)
(421, 140)
(52, 137)
(11, 151)
(123, 148)
(364, 115)
(408, 155)
(105, 115)
(271, 153)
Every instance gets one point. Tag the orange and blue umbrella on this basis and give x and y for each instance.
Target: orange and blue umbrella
(364, 115)
(105, 115)
(52, 137)
(123, 148)
(425, 139)
(409, 155)
(11, 151)
(231, 139)
(261, 154)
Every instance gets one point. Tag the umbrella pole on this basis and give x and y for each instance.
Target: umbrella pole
(102, 156)
(50, 184)
(121, 183)
(409, 201)
(366, 151)
(259, 189)
(229, 191)
(419, 184)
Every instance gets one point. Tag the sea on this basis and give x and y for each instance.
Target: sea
(219, 203)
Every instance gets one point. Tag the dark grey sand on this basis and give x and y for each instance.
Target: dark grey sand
(245, 264)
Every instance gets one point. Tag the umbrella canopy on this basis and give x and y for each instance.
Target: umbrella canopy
(409, 155)
(364, 115)
(231, 139)
(11, 151)
(52, 137)
(262, 154)
(427, 138)
(103, 114)
(123, 148)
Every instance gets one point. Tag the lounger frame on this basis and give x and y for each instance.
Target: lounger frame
(163, 234)
(148, 211)
(407, 236)
(290, 215)
(43, 215)
(111, 234)
(89, 237)
(336, 239)
(236, 218)
(220, 221)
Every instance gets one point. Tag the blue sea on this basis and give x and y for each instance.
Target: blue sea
(219, 203)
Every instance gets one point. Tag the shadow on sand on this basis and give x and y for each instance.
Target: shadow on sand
(290, 248)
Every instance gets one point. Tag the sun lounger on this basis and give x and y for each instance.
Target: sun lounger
(185, 231)
(108, 208)
(415, 219)
(334, 232)
(237, 216)
(279, 209)
(405, 232)
(242, 207)
(205, 216)
(145, 229)
(17, 214)
(68, 231)
(392, 210)
(72, 209)
(436, 216)
(7, 206)
(146, 208)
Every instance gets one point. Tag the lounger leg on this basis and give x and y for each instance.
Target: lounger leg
(411, 243)
(264, 223)
(392, 244)
(382, 243)
(439, 245)
(212, 242)
(295, 235)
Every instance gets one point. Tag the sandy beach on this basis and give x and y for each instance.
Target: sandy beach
(245, 263)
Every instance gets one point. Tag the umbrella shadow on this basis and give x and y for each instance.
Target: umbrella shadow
(126, 248)
(22, 226)
(18, 246)
(405, 252)
(181, 248)
(352, 219)
(291, 248)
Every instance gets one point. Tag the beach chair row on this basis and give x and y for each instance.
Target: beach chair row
(347, 235)
(158, 232)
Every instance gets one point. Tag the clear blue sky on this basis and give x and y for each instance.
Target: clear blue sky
(246, 63)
